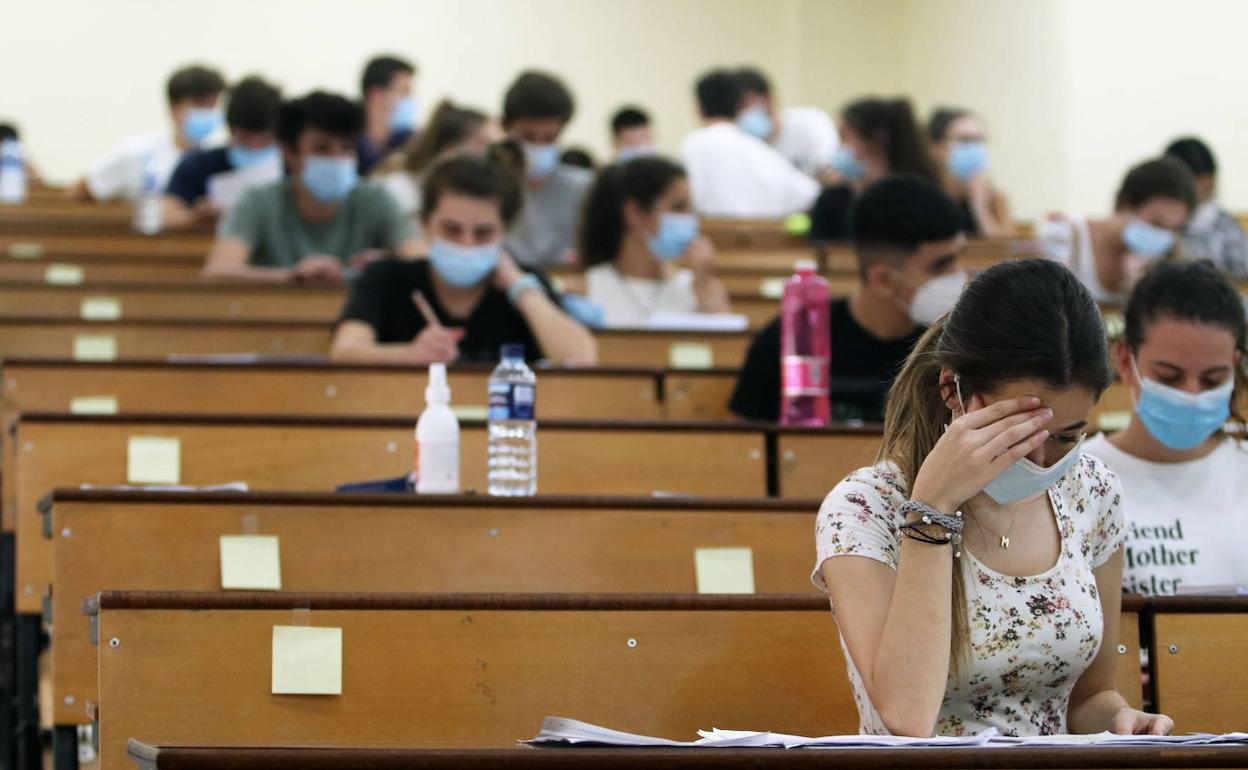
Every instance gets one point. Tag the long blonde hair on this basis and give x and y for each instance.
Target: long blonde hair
(1020, 320)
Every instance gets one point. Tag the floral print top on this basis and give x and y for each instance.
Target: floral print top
(1031, 637)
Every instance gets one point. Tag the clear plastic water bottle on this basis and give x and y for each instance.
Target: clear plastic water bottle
(147, 214)
(513, 429)
(12, 172)
(805, 348)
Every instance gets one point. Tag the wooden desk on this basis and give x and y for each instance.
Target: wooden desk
(1198, 653)
(172, 301)
(656, 348)
(699, 395)
(148, 338)
(170, 541)
(101, 270)
(583, 758)
(21, 234)
(811, 461)
(466, 670)
(320, 388)
(317, 454)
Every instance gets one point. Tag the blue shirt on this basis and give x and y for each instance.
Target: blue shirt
(369, 155)
(190, 179)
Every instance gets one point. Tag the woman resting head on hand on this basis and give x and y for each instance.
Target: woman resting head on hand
(975, 570)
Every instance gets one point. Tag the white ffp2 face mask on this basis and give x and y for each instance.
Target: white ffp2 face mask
(936, 297)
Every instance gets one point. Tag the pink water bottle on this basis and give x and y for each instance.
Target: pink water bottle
(805, 348)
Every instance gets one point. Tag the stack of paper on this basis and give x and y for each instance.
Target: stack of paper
(233, 486)
(570, 732)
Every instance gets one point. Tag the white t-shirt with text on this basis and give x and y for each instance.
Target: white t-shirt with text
(1184, 520)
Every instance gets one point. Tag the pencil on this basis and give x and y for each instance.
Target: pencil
(422, 304)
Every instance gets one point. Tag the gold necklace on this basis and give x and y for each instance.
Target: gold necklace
(1004, 540)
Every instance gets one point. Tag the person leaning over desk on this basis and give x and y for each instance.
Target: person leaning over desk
(468, 297)
(975, 570)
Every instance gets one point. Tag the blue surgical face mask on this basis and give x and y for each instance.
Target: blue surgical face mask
(625, 154)
(676, 232)
(540, 160)
(1178, 419)
(966, 159)
(463, 266)
(403, 117)
(1024, 479)
(245, 157)
(329, 179)
(756, 121)
(200, 123)
(1147, 240)
(847, 164)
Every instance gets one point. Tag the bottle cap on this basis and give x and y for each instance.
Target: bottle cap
(513, 352)
(437, 392)
(805, 266)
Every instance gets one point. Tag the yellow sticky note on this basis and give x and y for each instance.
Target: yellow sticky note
(63, 275)
(251, 563)
(690, 355)
(470, 412)
(154, 460)
(95, 347)
(93, 405)
(1111, 422)
(771, 288)
(725, 570)
(307, 660)
(25, 250)
(100, 309)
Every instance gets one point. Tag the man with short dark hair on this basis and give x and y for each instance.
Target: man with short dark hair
(907, 235)
(208, 181)
(321, 220)
(804, 135)
(631, 135)
(536, 108)
(147, 161)
(733, 174)
(390, 108)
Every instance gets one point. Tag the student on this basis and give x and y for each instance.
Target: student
(9, 133)
(149, 160)
(1153, 205)
(319, 219)
(909, 245)
(959, 148)
(451, 130)
(1003, 611)
(878, 137)
(631, 134)
(251, 115)
(733, 174)
(1184, 477)
(1212, 233)
(481, 298)
(804, 135)
(638, 221)
(390, 109)
(536, 108)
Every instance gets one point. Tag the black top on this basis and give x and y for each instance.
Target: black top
(970, 225)
(829, 217)
(369, 156)
(863, 368)
(382, 298)
(190, 179)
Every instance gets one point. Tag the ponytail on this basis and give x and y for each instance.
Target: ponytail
(641, 180)
(890, 123)
(1026, 319)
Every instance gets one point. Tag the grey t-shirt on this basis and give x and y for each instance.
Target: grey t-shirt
(265, 218)
(547, 224)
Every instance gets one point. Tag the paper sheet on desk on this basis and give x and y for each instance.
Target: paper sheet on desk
(1112, 739)
(698, 322)
(233, 486)
(226, 188)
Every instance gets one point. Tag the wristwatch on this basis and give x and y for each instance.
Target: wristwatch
(526, 282)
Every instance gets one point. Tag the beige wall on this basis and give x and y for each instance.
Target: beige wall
(1073, 90)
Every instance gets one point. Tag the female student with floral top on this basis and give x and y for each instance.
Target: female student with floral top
(984, 585)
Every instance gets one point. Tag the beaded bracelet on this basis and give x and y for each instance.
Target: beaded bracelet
(928, 516)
